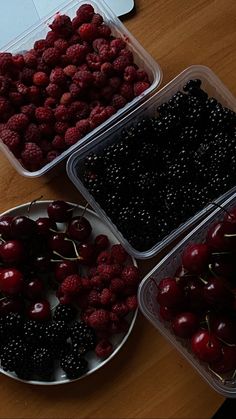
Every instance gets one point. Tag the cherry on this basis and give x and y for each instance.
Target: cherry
(101, 242)
(216, 239)
(185, 324)
(167, 313)
(195, 258)
(11, 281)
(23, 227)
(60, 244)
(183, 277)
(40, 310)
(224, 327)
(194, 293)
(169, 293)
(42, 263)
(222, 265)
(206, 346)
(5, 227)
(227, 362)
(87, 253)
(79, 228)
(64, 269)
(45, 225)
(11, 305)
(34, 289)
(12, 252)
(59, 211)
(216, 292)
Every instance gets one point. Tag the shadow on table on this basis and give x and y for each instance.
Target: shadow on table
(227, 410)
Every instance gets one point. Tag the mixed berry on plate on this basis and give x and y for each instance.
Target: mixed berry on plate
(68, 294)
(65, 86)
(162, 169)
(198, 303)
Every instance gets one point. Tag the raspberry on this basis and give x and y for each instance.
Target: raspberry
(52, 155)
(93, 60)
(115, 83)
(54, 90)
(61, 45)
(99, 319)
(44, 114)
(118, 44)
(42, 66)
(76, 53)
(74, 39)
(72, 135)
(32, 134)
(62, 25)
(16, 98)
(104, 348)
(51, 56)
(83, 126)
(98, 43)
(4, 105)
(86, 283)
(21, 88)
(4, 85)
(130, 275)
(120, 63)
(107, 69)
(104, 31)
(26, 75)
(99, 79)
(128, 55)
(127, 91)
(104, 257)
(132, 302)
(71, 284)
(18, 61)
(130, 73)
(142, 75)
(28, 110)
(117, 285)
(31, 59)
(61, 127)
(64, 61)
(118, 101)
(75, 90)
(58, 143)
(118, 254)
(18, 122)
(107, 297)
(61, 113)
(76, 22)
(83, 79)
(6, 62)
(97, 19)
(84, 315)
(88, 31)
(58, 76)
(40, 79)
(40, 45)
(97, 282)
(46, 129)
(66, 98)
(51, 37)
(140, 87)
(45, 145)
(33, 94)
(11, 139)
(79, 109)
(32, 156)
(105, 54)
(107, 272)
(50, 102)
(70, 70)
(101, 242)
(94, 298)
(120, 309)
(85, 12)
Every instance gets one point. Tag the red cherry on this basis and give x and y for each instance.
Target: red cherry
(23, 227)
(64, 269)
(167, 313)
(206, 346)
(40, 310)
(11, 305)
(195, 258)
(169, 293)
(42, 263)
(185, 324)
(101, 242)
(59, 211)
(194, 294)
(224, 327)
(60, 244)
(227, 362)
(45, 226)
(217, 293)
(12, 252)
(87, 253)
(5, 227)
(79, 228)
(216, 239)
(223, 265)
(11, 281)
(34, 289)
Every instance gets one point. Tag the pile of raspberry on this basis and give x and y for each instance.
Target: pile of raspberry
(65, 86)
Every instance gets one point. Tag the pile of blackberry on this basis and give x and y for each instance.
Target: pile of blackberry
(163, 169)
(33, 350)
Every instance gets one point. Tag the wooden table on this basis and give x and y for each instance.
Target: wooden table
(148, 378)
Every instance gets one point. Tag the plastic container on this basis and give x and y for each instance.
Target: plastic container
(213, 86)
(167, 267)
(26, 41)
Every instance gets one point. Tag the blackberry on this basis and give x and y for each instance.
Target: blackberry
(112, 203)
(115, 176)
(13, 354)
(196, 83)
(25, 370)
(93, 162)
(65, 312)
(2, 328)
(78, 349)
(42, 361)
(13, 324)
(33, 331)
(73, 366)
(146, 183)
(83, 334)
(56, 332)
(148, 154)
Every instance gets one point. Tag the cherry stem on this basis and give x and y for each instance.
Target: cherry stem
(83, 212)
(32, 203)
(75, 248)
(56, 231)
(211, 270)
(2, 240)
(153, 280)
(220, 253)
(208, 322)
(229, 235)
(226, 343)
(3, 298)
(217, 375)
(203, 280)
(64, 257)
(234, 375)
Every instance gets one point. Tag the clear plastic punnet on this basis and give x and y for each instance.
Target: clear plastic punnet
(226, 385)
(214, 87)
(25, 42)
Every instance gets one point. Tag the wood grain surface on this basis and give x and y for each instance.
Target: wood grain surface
(148, 378)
